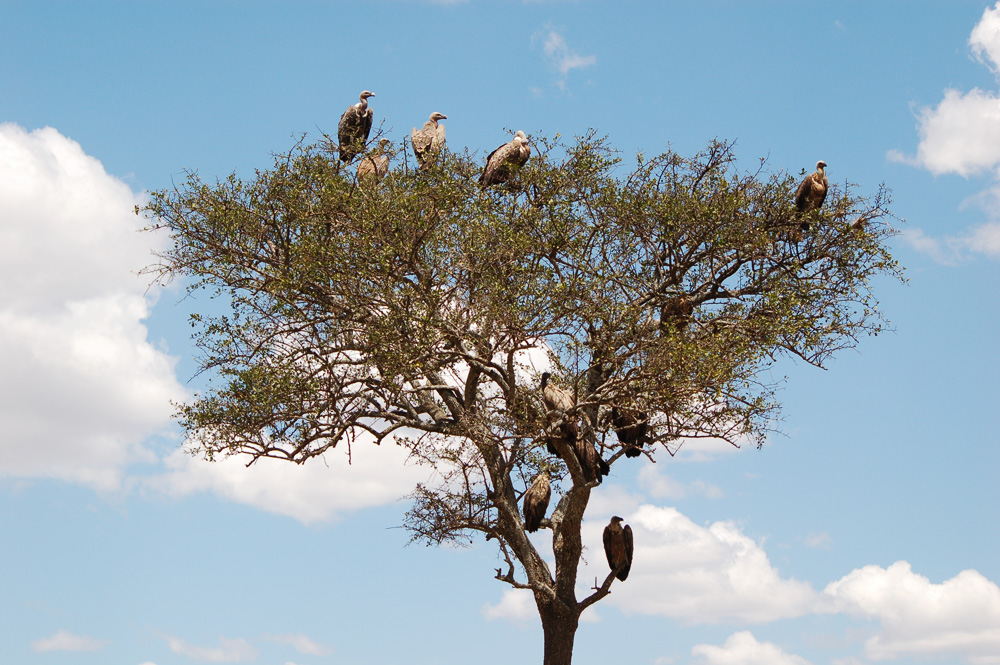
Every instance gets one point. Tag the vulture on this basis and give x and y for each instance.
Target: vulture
(536, 501)
(811, 192)
(354, 128)
(677, 311)
(428, 140)
(502, 161)
(375, 164)
(632, 429)
(559, 401)
(618, 547)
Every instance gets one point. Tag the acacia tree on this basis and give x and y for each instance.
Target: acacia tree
(408, 310)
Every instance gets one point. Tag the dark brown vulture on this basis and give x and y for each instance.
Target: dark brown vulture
(375, 164)
(811, 192)
(354, 128)
(677, 311)
(501, 162)
(632, 427)
(536, 501)
(429, 140)
(618, 547)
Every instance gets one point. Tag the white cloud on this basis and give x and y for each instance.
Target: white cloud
(560, 56)
(228, 651)
(985, 38)
(959, 617)
(82, 386)
(316, 491)
(949, 250)
(699, 574)
(742, 648)
(66, 641)
(960, 135)
(301, 643)
(516, 605)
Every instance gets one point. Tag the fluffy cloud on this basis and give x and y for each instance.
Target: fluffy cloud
(66, 641)
(312, 492)
(560, 56)
(228, 651)
(742, 648)
(962, 135)
(516, 605)
(700, 574)
(82, 386)
(959, 617)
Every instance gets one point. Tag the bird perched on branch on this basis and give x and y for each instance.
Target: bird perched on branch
(376, 163)
(354, 128)
(561, 404)
(618, 547)
(811, 193)
(536, 501)
(632, 428)
(502, 162)
(428, 140)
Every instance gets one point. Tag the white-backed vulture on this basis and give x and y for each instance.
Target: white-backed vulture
(559, 402)
(632, 427)
(429, 140)
(354, 128)
(618, 547)
(376, 163)
(536, 501)
(501, 162)
(811, 192)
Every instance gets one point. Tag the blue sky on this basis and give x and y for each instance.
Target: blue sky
(864, 533)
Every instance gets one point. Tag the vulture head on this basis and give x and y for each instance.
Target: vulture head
(820, 165)
(365, 94)
(438, 116)
(545, 378)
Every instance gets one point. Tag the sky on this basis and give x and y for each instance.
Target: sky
(864, 532)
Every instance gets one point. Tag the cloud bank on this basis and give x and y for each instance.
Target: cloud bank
(82, 384)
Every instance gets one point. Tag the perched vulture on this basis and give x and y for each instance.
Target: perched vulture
(375, 164)
(558, 402)
(618, 547)
(632, 429)
(536, 501)
(428, 140)
(354, 128)
(812, 192)
(677, 311)
(502, 161)
(593, 466)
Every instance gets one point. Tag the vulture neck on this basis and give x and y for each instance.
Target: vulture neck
(820, 172)
(362, 105)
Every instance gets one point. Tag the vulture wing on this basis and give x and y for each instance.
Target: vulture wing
(623, 573)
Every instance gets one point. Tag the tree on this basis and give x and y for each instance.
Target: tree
(409, 309)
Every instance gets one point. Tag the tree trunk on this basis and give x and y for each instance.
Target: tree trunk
(559, 625)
